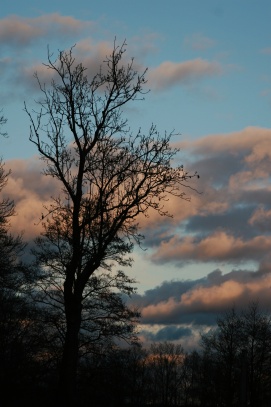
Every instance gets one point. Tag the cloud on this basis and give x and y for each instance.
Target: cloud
(230, 220)
(218, 246)
(261, 218)
(228, 223)
(200, 302)
(247, 141)
(19, 31)
(169, 73)
(30, 191)
(167, 333)
(14, 30)
(87, 52)
(90, 54)
(22, 38)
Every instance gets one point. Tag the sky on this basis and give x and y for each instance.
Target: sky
(209, 76)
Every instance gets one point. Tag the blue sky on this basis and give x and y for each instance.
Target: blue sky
(210, 81)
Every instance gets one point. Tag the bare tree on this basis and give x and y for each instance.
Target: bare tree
(166, 368)
(108, 177)
(239, 348)
(16, 345)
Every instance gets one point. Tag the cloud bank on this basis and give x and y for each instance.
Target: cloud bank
(229, 222)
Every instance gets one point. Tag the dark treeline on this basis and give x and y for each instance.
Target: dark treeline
(230, 368)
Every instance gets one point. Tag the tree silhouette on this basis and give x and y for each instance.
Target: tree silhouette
(240, 350)
(108, 178)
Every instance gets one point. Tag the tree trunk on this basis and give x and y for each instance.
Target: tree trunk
(67, 390)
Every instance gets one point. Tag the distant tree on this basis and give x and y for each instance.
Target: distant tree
(165, 363)
(108, 178)
(16, 333)
(121, 371)
(193, 379)
(10, 247)
(240, 350)
(224, 344)
(256, 355)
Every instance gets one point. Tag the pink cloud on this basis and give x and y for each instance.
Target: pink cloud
(172, 73)
(209, 222)
(202, 298)
(240, 159)
(218, 246)
(17, 30)
(254, 140)
(21, 31)
(163, 308)
(91, 54)
(30, 191)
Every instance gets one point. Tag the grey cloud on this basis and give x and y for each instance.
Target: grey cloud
(164, 291)
(234, 221)
(167, 333)
(218, 168)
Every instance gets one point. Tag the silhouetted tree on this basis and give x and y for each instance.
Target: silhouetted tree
(16, 327)
(256, 356)
(225, 343)
(240, 350)
(165, 362)
(192, 379)
(108, 178)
